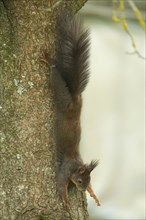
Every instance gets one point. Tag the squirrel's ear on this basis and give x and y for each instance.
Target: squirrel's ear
(92, 165)
(81, 169)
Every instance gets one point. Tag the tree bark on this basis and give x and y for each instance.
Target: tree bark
(27, 148)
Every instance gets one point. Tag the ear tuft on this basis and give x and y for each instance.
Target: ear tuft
(92, 165)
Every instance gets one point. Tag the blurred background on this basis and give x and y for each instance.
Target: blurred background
(113, 116)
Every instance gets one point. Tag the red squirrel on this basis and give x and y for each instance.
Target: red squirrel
(69, 77)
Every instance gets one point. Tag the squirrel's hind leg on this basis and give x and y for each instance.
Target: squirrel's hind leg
(62, 95)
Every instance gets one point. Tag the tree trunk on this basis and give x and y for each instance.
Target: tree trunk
(27, 148)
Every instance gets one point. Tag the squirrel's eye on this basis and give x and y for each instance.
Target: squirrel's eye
(79, 181)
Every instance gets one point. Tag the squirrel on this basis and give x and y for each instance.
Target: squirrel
(69, 77)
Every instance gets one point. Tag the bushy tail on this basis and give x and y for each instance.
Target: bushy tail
(72, 53)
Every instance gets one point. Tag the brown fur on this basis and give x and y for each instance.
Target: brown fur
(68, 80)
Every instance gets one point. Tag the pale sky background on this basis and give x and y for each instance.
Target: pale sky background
(113, 121)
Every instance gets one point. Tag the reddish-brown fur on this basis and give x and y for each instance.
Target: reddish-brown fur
(69, 78)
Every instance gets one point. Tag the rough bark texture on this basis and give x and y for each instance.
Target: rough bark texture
(27, 148)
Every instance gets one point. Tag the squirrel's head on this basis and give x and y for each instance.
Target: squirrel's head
(81, 176)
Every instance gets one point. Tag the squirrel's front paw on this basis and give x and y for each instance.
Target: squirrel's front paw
(43, 57)
(66, 204)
